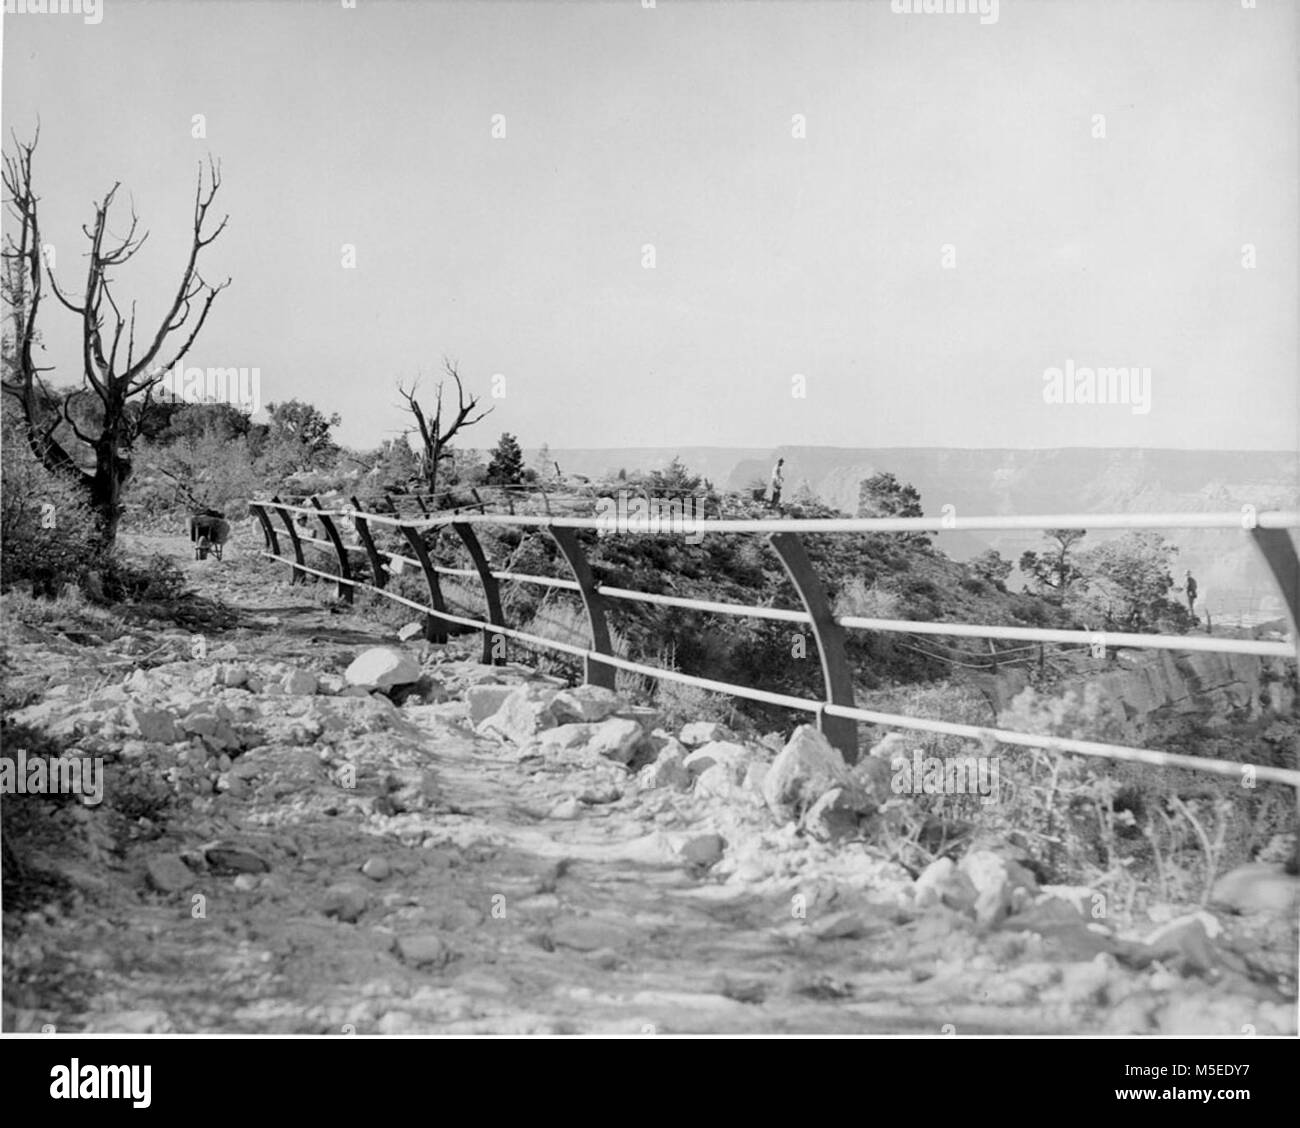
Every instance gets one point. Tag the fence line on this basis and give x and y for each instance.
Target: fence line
(1111, 639)
(837, 715)
(1269, 519)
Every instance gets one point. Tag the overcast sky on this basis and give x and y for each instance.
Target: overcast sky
(774, 254)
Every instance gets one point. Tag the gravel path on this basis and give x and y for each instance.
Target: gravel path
(367, 868)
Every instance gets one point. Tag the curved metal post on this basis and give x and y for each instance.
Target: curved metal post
(345, 569)
(378, 565)
(297, 574)
(1278, 550)
(842, 732)
(491, 592)
(268, 530)
(431, 632)
(595, 673)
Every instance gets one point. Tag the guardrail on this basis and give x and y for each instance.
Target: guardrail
(837, 715)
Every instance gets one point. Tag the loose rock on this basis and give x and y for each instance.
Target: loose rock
(615, 739)
(299, 682)
(168, 874)
(704, 732)
(484, 700)
(426, 950)
(382, 667)
(523, 714)
(1257, 888)
(230, 858)
(586, 704)
(805, 770)
(346, 901)
(377, 869)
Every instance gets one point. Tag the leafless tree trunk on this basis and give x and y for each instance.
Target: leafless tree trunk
(435, 440)
(124, 391)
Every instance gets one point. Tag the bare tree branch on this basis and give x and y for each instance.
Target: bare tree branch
(435, 439)
(125, 395)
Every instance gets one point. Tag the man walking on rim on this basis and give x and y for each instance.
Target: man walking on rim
(778, 480)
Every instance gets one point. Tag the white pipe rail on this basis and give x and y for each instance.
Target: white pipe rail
(1245, 520)
(1230, 768)
(1110, 639)
(675, 523)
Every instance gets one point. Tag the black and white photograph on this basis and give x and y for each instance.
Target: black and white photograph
(651, 519)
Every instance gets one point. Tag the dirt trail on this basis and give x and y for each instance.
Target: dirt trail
(501, 893)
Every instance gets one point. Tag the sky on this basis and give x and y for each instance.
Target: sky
(954, 222)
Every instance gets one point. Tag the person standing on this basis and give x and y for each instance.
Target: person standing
(778, 480)
(1190, 588)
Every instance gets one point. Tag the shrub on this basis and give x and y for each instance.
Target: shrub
(129, 579)
(47, 528)
(858, 599)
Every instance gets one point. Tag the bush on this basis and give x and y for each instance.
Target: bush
(857, 599)
(47, 527)
(126, 579)
(681, 704)
(207, 470)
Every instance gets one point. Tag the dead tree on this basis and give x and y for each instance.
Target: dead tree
(435, 439)
(121, 378)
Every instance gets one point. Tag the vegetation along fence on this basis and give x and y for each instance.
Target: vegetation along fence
(836, 715)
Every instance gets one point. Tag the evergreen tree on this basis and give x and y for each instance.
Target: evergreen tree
(1055, 573)
(507, 465)
(883, 495)
(990, 566)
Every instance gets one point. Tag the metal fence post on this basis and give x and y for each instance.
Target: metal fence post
(297, 574)
(345, 569)
(1278, 550)
(268, 530)
(594, 673)
(842, 732)
(491, 592)
(378, 566)
(416, 541)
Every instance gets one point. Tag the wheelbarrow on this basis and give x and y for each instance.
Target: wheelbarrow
(209, 530)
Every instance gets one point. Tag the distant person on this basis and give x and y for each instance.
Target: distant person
(1190, 588)
(778, 480)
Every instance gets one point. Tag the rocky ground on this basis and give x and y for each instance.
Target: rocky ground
(312, 827)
